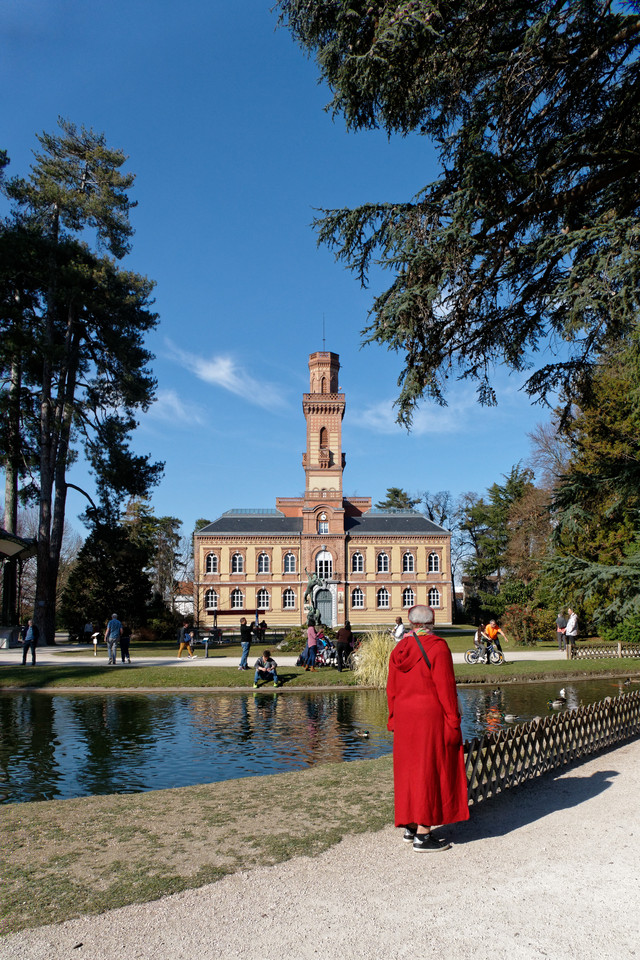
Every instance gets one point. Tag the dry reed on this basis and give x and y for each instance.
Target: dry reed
(372, 658)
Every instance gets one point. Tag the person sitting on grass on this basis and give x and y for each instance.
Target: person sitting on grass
(266, 669)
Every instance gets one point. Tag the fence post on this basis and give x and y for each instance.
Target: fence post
(619, 649)
(569, 650)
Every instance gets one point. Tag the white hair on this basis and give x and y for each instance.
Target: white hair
(421, 614)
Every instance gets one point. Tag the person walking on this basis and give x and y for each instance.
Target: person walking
(30, 635)
(111, 636)
(125, 640)
(430, 784)
(245, 640)
(398, 630)
(185, 639)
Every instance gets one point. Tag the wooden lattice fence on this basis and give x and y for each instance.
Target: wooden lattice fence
(501, 760)
(602, 650)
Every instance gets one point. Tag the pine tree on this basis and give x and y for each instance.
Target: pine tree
(85, 369)
(397, 499)
(528, 238)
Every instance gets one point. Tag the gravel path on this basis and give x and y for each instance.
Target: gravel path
(550, 870)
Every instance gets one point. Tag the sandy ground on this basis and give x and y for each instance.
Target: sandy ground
(548, 870)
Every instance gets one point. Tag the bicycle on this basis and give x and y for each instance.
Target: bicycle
(479, 654)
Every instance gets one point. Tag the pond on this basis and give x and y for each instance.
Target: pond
(57, 746)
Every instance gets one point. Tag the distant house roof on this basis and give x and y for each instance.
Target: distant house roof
(251, 521)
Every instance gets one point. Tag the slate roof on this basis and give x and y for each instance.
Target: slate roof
(273, 522)
(405, 523)
(269, 523)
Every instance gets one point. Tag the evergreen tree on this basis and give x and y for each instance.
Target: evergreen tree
(110, 575)
(397, 499)
(528, 238)
(487, 524)
(83, 319)
(596, 506)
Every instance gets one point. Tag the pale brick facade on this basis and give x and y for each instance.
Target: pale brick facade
(377, 564)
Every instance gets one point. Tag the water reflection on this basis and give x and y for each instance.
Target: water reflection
(83, 745)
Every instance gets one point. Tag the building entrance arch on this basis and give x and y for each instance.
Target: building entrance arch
(324, 606)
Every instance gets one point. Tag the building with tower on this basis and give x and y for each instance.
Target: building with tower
(372, 564)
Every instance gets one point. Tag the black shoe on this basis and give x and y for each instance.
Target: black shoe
(425, 841)
(409, 834)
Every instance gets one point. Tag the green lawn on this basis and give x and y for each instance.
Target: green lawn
(133, 677)
(193, 676)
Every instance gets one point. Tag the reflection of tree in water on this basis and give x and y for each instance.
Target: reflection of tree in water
(28, 747)
(116, 733)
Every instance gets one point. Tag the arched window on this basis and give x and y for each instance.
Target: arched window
(323, 523)
(211, 600)
(383, 598)
(408, 597)
(434, 597)
(237, 563)
(357, 563)
(237, 600)
(263, 599)
(323, 385)
(408, 563)
(263, 563)
(324, 438)
(289, 599)
(324, 565)
(434, 563)
(289, 563)
(383, 563)
(211, 563)
(357, 599)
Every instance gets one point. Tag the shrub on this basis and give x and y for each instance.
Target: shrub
(372, 658)
(294, 641)
(528, 625)
(296, 638)
(626, 632)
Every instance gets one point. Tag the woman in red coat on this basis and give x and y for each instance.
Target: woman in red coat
(429, 778)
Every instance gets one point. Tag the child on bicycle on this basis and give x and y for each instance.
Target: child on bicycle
(481, 642)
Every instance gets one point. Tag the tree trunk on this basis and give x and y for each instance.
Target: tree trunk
(44, 614)
(11, 469)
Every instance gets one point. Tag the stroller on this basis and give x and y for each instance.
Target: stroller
(327, 655)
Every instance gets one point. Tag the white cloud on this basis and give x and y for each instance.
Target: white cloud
(223, 371)
(169, 407)
(381, 418)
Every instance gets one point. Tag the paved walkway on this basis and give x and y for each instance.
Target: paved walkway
(551, 870)
(84, 655)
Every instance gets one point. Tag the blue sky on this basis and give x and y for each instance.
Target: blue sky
(223, 120)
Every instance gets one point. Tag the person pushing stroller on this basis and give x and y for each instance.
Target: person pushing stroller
(266, 669)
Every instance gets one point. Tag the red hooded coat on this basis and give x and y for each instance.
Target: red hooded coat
(429, 778)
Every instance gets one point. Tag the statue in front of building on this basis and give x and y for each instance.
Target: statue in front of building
(314, 584)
